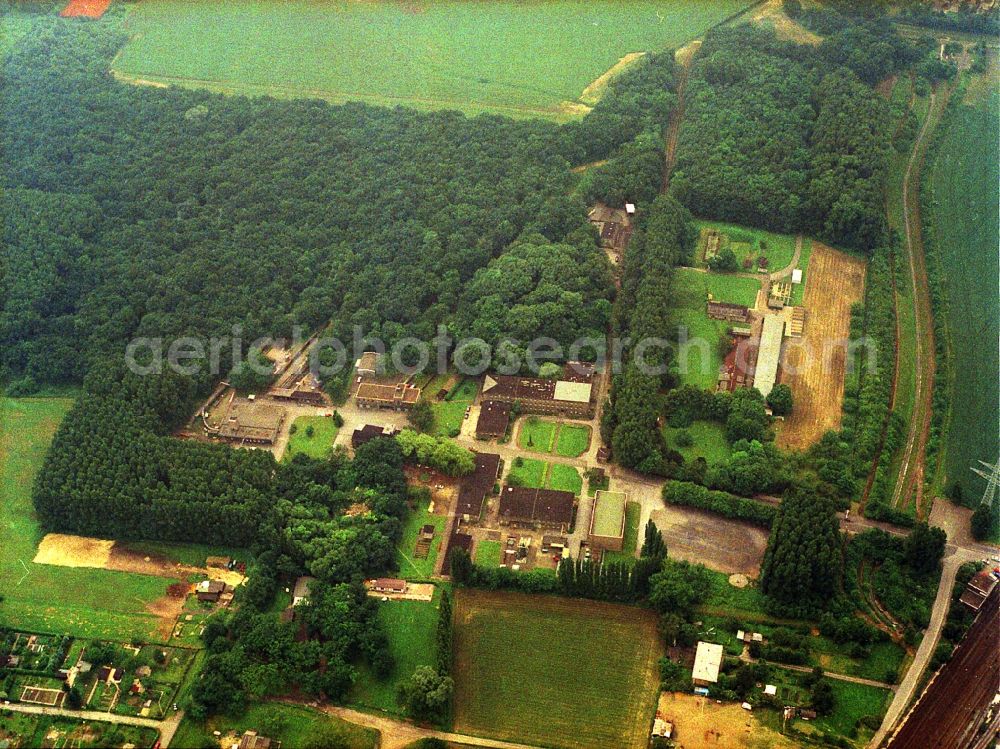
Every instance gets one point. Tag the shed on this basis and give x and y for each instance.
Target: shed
(797, 275)
(770, 689)
(303, 587)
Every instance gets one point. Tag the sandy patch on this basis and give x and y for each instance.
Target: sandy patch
(701, 723)
(73, 551)
(595, 89)
(772, 13)
(739, 581)
(685, 54)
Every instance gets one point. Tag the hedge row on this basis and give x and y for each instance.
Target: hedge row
(692, 495)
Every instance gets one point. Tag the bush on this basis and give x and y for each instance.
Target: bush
(692, 495)
(683, 438)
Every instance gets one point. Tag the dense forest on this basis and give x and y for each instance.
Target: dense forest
(791, 137)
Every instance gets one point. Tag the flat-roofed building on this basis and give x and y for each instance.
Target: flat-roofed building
(537, 508)
(707, 662)
(607, 523)
(401, 396)
(768, 354)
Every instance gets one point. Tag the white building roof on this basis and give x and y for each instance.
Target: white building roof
(707, 662)
(577, 392)
(630, 208)
(770, 689)
(797, 275)
(769, 354)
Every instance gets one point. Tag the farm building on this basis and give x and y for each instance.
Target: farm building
(387, 585)
(302, 589)
(369, 432)
(779, 294)
(613, 226)
(707, 662)
(607, 523)
(537, 508)
(494, 418)
(978, 590)
(307, 390)
(477, 486)
(401, 396)
(768, 354)
(250, 422)
(537, 395)
(579, 371)
(728, 311)
(555, 544)
(458, 541)
(210, 590)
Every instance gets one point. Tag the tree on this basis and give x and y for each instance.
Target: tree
(421, 416)
(653, 545)
(427, 694)
(924, 548)
(252, 374)
(985, 520)
(724, 262)
(679, 587)
(461, 565)
(821, 697)
(801, 565)
(780, 399)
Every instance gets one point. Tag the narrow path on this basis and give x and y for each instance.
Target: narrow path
(397, 734)
(677, 117)
(167, 727)
(808, 670)
(911, 467)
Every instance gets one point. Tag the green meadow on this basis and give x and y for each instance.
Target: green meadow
(532, 58)
(83, 602)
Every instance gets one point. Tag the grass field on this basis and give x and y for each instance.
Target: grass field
(853, 701)
(565, 478)
(411, 627)
(449, 414)
(708, 441)
(963, 180)
(537, 435)
(290, 724)
(518, 58)
(320, 444)
(409, 566)
(488, 553)
(698, 361)
(749, 244)
(573, 440)
(529, 473)
(554, 671)
(82, 602)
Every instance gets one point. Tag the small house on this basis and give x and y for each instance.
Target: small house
(253, 740)
(303, 587)
(707, 662)
(210, 590)
(388, 585)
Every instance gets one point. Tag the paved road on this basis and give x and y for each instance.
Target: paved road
(397, 734)
(908, 687)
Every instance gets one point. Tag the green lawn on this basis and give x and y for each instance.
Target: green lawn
(708, 441)
(699, 359)
(192, 554)
(752, 244)
(411, 627)
(290, 724)
(853, 701)
(514, 58)
(963, 178)
(554, 671)
(565, 478)
(537, 435)
(573, 440)
(530, 473)
(82, 602)
(488, 554)
(633, 513)
(320, 444)
(409, 566)
(450, 413)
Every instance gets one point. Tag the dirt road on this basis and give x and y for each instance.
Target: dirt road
(912, 458)
(397, 734)
(685, 57)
